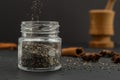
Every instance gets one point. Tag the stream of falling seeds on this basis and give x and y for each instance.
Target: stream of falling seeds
(36, 10)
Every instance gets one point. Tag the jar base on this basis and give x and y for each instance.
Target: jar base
(39, 69)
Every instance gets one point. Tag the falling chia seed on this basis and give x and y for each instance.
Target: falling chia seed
(36, 10)
(39, 55)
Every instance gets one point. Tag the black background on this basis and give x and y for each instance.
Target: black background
(72, 15)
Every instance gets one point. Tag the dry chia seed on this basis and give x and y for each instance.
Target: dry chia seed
(39, 55)
(36, 10)
(77, 64)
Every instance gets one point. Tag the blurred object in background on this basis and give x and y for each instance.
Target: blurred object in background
(102, 26)
(8, 46)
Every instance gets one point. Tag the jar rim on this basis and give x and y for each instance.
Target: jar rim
(40, 22)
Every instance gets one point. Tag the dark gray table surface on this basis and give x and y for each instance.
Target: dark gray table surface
(10, 71)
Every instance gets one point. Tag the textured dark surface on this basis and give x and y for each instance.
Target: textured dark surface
(9, 70)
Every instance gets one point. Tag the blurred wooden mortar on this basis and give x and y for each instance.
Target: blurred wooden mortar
(102, 26)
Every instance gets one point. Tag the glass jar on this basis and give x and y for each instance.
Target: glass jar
(39, 47)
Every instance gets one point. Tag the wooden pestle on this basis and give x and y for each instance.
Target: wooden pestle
(110, 4)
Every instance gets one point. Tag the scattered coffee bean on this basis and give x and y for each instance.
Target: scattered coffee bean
(116, 58)
(107, 53)
(90, 57)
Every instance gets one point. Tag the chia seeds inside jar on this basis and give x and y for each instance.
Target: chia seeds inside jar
(39, 47)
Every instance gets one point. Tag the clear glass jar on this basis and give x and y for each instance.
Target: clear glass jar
(39, 47)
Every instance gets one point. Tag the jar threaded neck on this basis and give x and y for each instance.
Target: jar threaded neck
(39, 28)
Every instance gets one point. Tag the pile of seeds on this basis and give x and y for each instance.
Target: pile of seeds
(72, 63)
(39, 55)
(93, 61)
(103, 63)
